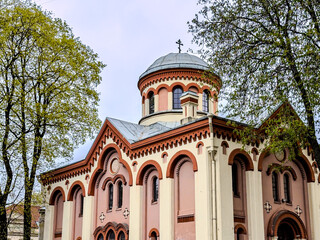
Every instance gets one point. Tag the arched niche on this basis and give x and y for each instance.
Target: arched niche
(107, 150)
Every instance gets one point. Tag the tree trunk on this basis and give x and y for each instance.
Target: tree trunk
(3, 221)
(27, 211)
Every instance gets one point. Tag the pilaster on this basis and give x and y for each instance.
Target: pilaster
(48, 223)
(170, 101)
(255, 205)
(156, 103)
(67, 225)
(136, 192)
(87, 220)
(203, 197)
(225, 222)
(313, 193)
(166, 208)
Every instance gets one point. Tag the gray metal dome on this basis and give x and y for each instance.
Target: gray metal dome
(176, 60)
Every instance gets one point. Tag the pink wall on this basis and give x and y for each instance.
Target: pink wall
(101, 196)
(163, 99)
(184, 200)
(150, 207)
(58, 212)
(77, 216)
(298, 190)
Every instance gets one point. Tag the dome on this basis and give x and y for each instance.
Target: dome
(176, 60)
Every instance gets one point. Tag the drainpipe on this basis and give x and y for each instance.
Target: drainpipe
(213, 180)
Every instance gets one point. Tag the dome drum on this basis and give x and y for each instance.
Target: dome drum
(162, 84)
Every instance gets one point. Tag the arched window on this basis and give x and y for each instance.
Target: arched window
(111, 235)
(81, 205)
(240, 233)
(155, 189)
(153, 236)
(177, 91)
(58, 208)
(110, 196)
(235, 182)
(121, 236)
(151, 102)
(205, 101)
(275, 187)
(100, 237)
(286, 188)
(120, 194)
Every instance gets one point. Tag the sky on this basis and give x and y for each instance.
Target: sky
(128, 35)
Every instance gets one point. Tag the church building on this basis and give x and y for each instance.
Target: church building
(181, 173)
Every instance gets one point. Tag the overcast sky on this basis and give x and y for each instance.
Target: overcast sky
(128, 35)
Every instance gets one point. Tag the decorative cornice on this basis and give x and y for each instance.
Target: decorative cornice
(167, 74)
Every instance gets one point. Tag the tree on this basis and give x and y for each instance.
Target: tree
(48, 81)
(267, 53)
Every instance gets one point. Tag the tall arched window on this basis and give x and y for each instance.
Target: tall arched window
(275, 187)
(235, 187)
(58, 208)
(151, 102)
(110, 196)
(121, 236)
(177, 91)
(155, 189)
(81, 205)
(111, 235)
(205, 101)
(100, 237)
(153, 236)
(286, 188)
(120, 194)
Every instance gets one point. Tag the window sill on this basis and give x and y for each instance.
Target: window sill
(119, 209)
(109, 210)
(277, 202)
(154, 202)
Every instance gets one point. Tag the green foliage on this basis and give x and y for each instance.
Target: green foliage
(267, 53)
(48, 97)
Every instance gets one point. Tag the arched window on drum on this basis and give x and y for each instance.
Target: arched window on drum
(177, 92)
(205, 101)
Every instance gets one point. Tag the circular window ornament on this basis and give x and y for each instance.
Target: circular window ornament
(115, 166)
(280, 156)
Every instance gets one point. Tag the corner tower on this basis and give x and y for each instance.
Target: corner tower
(163, 83)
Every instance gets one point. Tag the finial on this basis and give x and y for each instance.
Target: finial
(180, 44)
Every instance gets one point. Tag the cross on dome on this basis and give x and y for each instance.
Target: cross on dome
(179, 45)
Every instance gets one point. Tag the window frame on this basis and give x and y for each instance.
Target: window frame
(151, 102)
(176, 103)
(205, 101)
(275, 187)
(120, 194)
(110, 196)
(155, 189)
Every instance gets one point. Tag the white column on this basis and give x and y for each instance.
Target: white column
(135, 212)
(224, 193)
(166, 209)
(255, 205)
(88, 215)
(203, 197)
(67, 224)
(314, 207)
(48, 224)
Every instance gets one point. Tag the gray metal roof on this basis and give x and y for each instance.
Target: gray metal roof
(134, 132)
(176, 60)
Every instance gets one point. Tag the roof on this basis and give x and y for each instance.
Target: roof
(18, 213)
(133, 132)
(176, 60)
